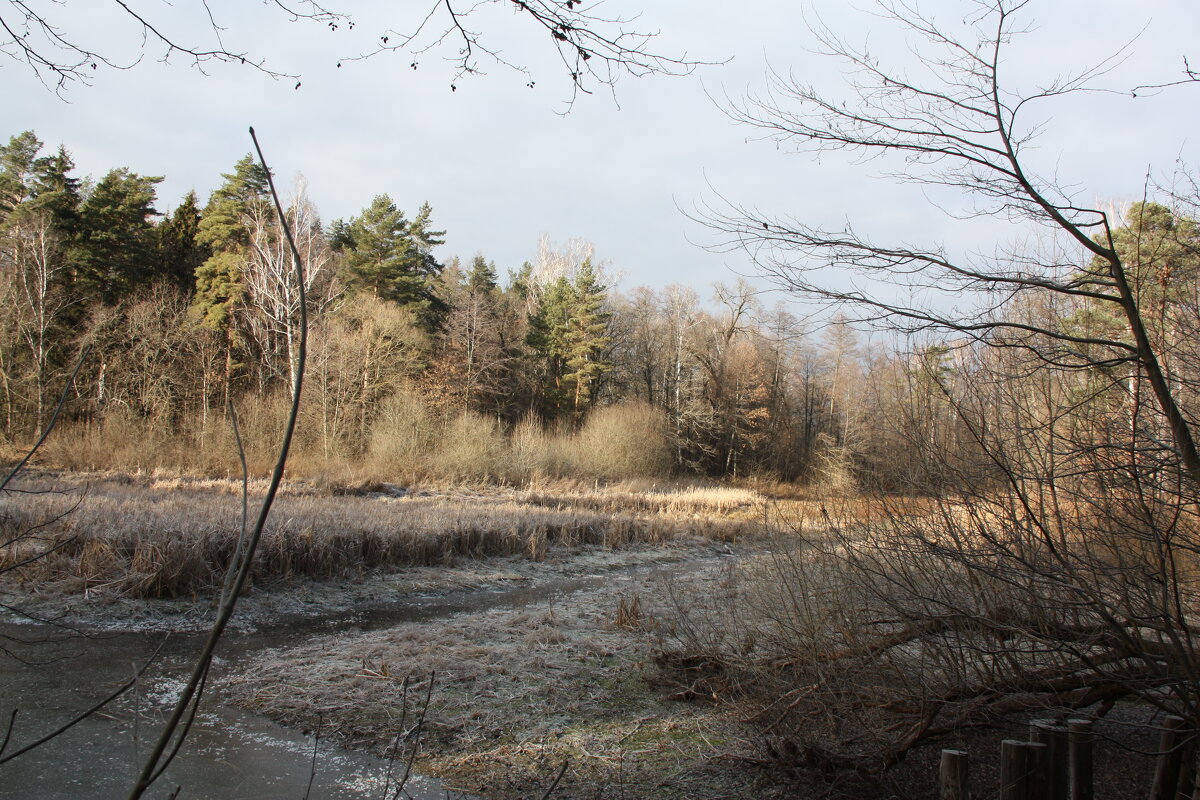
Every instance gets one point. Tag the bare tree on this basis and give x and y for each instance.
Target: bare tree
(963, 129)
(274, 296)
(1059, 570)
(38, 270)
(592, 47)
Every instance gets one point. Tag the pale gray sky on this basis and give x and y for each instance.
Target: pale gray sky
(501, 164)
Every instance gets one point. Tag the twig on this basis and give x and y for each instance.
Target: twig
(12, 720)
(416, 736)
(559, 777)
(234, 561)
(312, 768)
(387, 782)
(152, 769)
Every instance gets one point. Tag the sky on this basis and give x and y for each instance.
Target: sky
(503, 163)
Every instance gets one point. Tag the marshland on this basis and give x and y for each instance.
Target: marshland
(360, 485)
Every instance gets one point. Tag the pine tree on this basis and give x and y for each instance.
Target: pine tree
(16, 170)
(223, 232)
(569, 334)
(222, 225)
(391, 258)
(220, 286)
(180, 251)
(115, 249)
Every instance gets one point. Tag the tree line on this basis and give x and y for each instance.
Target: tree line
(189, 311)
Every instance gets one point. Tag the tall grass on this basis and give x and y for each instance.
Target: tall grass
(173, 537)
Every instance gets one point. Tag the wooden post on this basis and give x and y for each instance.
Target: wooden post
(1187, 775)
(1081, 744)
(1187, 771)
(1055, 739)
(1039, 770)
(955, 775)
(1021, 769)
(1170, 758)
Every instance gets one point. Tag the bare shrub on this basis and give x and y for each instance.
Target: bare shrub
(472, 447)
(401, 434)
(628, 440)
(1062, 575)
(117, 439)
(536, 454)
(833, 472)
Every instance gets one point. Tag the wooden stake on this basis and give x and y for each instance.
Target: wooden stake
(1170, 758)
(1055, 739)
(1021, 767)
(1081, 744)
(955, 775)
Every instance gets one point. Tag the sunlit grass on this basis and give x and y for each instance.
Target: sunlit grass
(171, 536)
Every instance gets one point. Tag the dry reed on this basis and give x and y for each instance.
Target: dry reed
(173, 537)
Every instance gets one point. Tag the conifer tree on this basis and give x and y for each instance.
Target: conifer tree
(586, 337)
(222, 229)
(115, 249)
(223, 225)
(16, 170)
(482, 278)
(220, 279)
(569, 334)
(55, 190)
(180, 249)
(391, 258)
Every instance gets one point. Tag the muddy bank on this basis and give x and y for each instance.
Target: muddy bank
(518, 690)
(290, 602)
(533, 664)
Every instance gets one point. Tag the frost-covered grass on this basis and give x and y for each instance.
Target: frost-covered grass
(515, 693)
(171, 537)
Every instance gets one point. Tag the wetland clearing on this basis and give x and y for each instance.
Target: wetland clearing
(536, 614)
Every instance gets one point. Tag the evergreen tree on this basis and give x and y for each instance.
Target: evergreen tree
(222, 226)
(586, 337)
(115, 249)
(220, 285)
(57, 192)
(16, 170)
(387, 256)
(569, 333)
(546, 341)
(179, 247)
(223, 233)
(44, 184)
(482, 278)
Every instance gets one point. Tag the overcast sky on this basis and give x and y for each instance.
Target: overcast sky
(502, 164)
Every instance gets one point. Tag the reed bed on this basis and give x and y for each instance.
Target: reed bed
(172, 537)
(671, 501)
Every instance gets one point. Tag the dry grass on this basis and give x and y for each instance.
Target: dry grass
(516, 692)
(406, 440)
(171, 537)
(670, 501)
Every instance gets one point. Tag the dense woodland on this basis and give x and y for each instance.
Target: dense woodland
(422, 367)
(189, 311)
